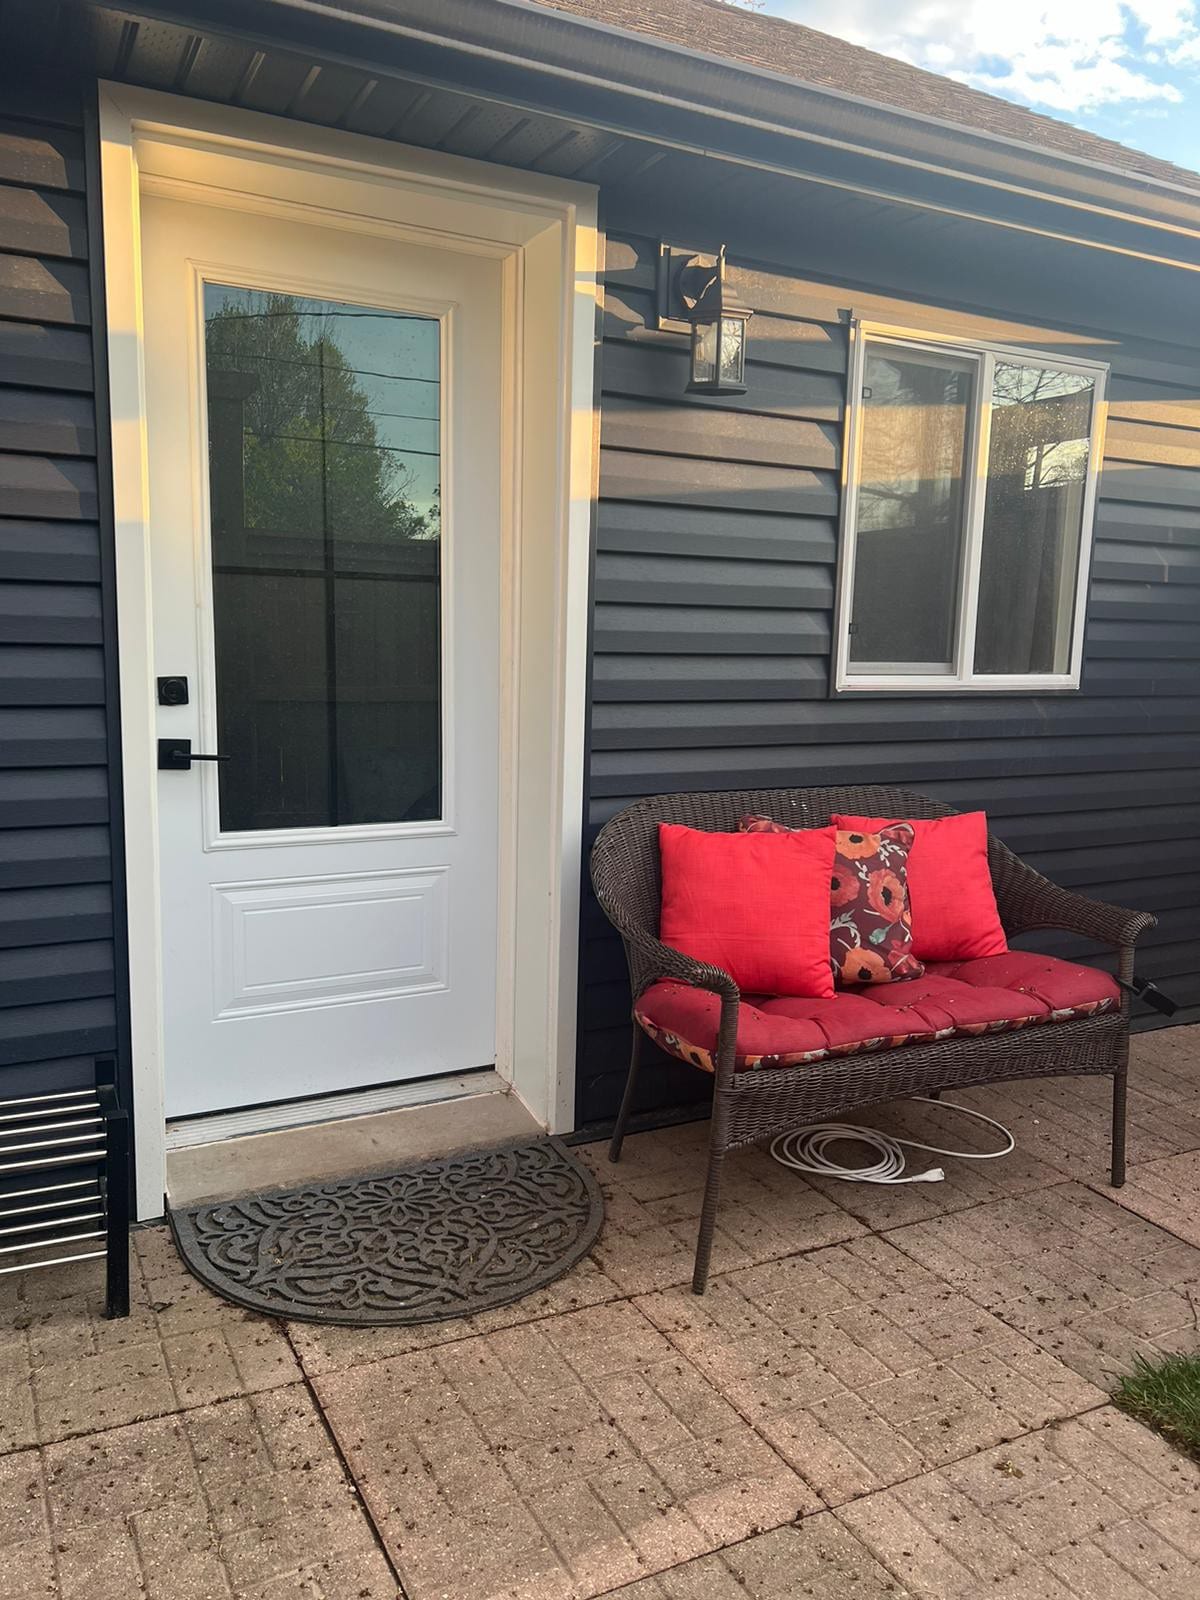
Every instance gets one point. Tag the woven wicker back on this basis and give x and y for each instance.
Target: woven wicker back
(625, 863)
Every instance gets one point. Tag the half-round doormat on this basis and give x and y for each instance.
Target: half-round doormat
(443, 1239)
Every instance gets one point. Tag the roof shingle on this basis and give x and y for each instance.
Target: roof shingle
(731, 33)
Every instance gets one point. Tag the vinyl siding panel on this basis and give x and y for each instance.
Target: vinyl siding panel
(46, 357)
(41, 156)
(33, 288)
(50, 424)
(57, 955)
(715, 579)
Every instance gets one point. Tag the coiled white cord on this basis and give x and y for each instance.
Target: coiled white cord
(805, 1150)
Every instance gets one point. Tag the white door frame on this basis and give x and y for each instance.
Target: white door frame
(544, 232)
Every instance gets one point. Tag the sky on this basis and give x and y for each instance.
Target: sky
(1128, 69)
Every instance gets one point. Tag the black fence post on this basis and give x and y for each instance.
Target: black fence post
(117, 1186)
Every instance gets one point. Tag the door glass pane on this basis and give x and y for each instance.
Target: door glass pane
(1033, 518)
(911, 495)
(324, 474)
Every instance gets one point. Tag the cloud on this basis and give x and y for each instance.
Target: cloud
(1073, 56)
(1056, 78)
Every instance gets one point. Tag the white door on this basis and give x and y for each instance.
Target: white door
(324, 446)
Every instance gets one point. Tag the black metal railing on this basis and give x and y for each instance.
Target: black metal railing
(65, 1182)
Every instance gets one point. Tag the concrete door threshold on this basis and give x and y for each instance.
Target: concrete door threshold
(343, 1148)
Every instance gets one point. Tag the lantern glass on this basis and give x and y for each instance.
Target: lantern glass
(733, 350)
(705, 340)
(719, 353)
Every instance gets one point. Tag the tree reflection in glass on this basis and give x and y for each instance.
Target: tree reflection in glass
(325, 494)
(1041, 424)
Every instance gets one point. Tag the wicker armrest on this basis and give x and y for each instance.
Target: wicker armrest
(1027, 901)
(1115, 926)
(651, 959)
(660, 960)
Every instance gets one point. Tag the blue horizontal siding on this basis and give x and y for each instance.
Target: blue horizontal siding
(57, 985)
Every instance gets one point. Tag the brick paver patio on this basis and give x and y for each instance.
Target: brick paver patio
(885, 1394)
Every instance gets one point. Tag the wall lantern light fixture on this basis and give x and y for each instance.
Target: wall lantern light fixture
(692, 297)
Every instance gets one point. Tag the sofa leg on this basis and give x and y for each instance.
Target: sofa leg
(635, 1061)
(1118, 1127)
(708, 1219)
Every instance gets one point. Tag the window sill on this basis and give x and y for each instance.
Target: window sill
(1016, 683)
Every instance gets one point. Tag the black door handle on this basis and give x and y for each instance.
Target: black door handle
(176, 755)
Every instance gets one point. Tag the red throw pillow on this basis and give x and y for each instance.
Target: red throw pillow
(754, 904)
(949, 885)
(870, 925)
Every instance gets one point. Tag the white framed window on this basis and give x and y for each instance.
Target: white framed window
(968, 502)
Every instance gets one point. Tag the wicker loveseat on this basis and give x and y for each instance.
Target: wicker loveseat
(754, 1099)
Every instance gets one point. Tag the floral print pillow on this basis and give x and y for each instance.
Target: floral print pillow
(870, 925)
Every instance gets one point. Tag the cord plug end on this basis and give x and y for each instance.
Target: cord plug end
(934, 1175)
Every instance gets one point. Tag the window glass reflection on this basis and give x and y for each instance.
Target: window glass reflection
(911, 494)
(325, 494)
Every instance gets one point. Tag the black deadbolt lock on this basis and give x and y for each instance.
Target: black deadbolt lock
(172, 691)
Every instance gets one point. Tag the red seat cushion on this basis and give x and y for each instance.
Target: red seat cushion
(994, 994)
(954, 915)
(1061, 986)
(754, 904)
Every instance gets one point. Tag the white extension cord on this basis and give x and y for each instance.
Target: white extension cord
(805, 1150)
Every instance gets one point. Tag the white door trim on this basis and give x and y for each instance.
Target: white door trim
(545, 232)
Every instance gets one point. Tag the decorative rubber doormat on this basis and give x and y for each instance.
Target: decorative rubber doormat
(441, 1239)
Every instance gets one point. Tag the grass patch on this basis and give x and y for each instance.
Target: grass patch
(1166, 1396)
